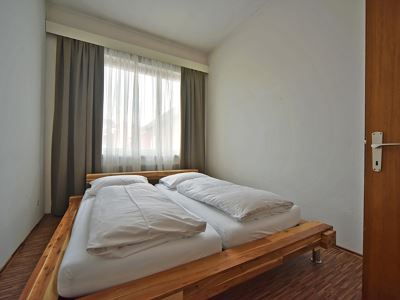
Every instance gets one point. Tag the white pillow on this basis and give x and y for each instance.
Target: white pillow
(173, 180)
(99, 183)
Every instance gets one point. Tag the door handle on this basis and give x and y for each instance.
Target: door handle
(377, 144)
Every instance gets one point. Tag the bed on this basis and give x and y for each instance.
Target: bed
(198, 279)
(235, 233)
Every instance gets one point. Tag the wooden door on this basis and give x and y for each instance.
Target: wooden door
(382, 189)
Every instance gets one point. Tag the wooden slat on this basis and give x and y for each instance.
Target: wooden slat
(42, 283)
(150, 175)
(212, 288)
(219, 268)
(177, 296)
(328, 239)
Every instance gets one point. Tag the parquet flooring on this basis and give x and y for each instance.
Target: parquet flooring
(17, 271)
(338, 277)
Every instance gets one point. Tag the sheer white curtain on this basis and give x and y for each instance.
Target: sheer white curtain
(141, 118)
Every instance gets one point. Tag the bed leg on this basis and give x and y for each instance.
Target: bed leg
(316, 256)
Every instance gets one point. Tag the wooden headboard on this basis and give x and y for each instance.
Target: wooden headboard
(151, 175)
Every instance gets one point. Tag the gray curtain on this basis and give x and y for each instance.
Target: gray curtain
(193, 119)
(78, 119)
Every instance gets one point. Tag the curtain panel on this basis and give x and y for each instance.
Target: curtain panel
(192, 119)
(78, 118)
(141, 124)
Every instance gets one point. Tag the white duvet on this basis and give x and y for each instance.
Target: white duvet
(240, 202)
(132, 218)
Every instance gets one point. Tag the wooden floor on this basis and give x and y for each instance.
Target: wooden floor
(339, 277)
(17, 271)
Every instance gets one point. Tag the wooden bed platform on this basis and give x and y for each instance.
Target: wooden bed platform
(200, 279)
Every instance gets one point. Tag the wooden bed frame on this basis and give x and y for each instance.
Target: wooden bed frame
(199, 279)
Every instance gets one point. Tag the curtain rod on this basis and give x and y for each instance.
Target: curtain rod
(85, 36)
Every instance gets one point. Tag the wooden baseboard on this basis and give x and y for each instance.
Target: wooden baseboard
(350, 251)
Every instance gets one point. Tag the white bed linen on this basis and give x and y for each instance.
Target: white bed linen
(240, 202)
(132, 218)
(99, 183)
(81, 273)
(232, 232)
(172, 181)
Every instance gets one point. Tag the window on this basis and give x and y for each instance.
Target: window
(141, 117)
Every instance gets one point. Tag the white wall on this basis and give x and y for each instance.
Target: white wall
(286, 108)
(22, 51)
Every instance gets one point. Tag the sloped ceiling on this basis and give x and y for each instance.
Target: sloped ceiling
(200, 24)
